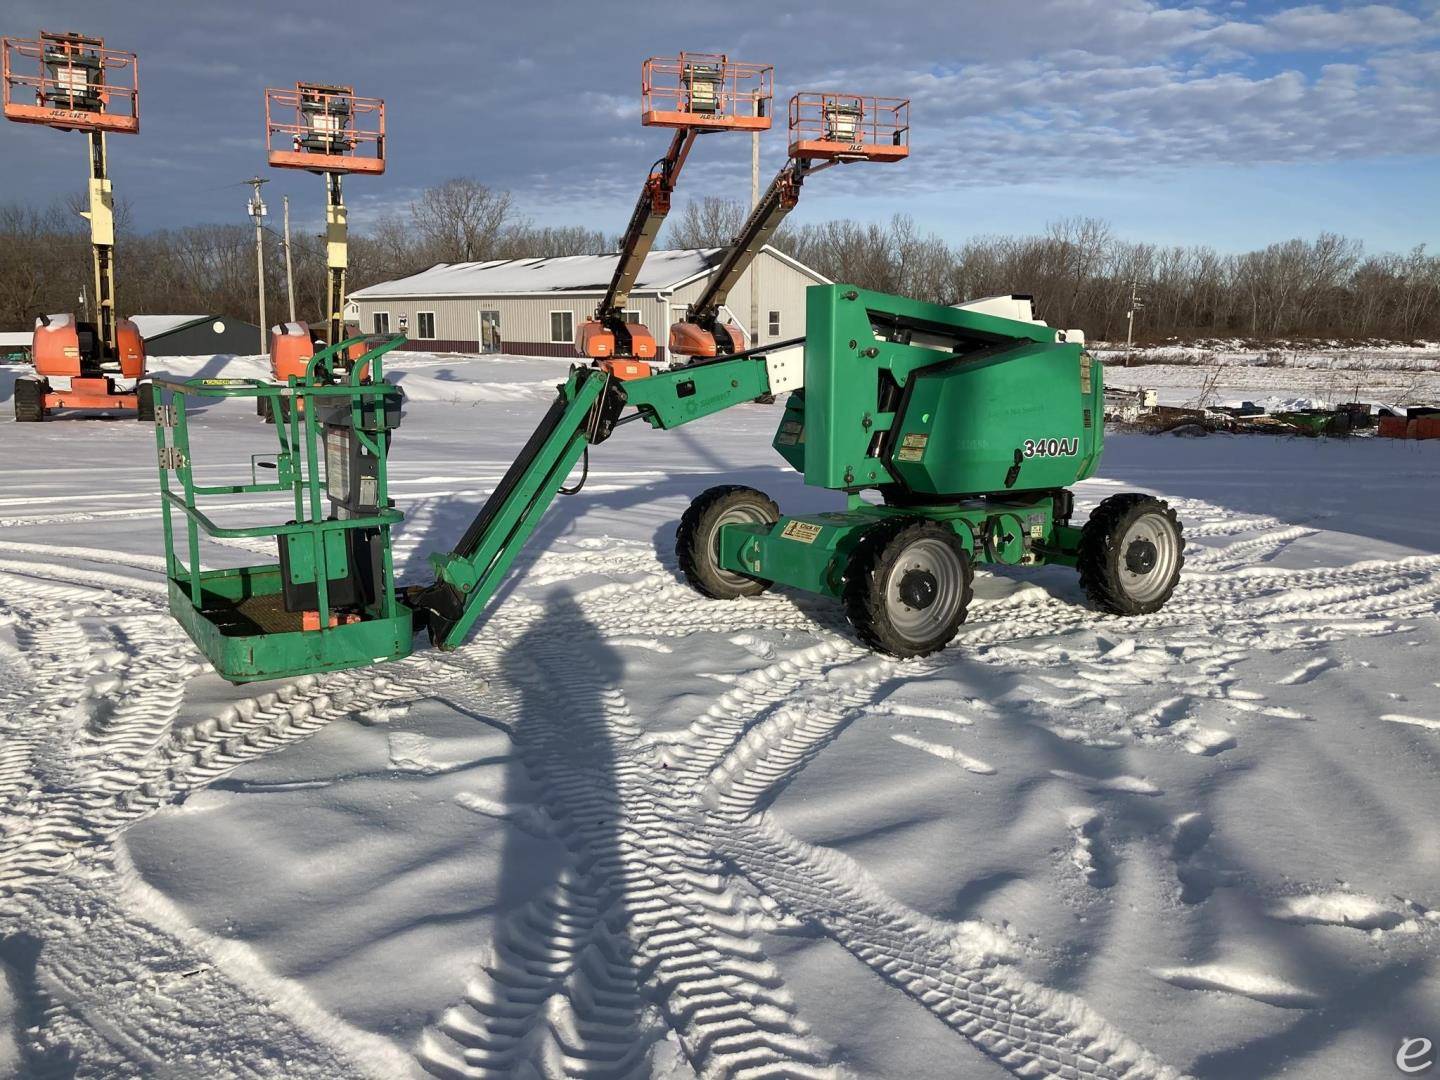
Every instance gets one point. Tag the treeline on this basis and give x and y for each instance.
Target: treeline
(1079, 272)
(1081, 275)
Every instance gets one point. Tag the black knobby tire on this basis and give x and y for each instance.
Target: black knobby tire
(30, 400)
(697, 539)
(1120, 578)
(262, 409)
(878, 601)
(145, 402)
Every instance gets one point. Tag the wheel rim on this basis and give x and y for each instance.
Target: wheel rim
(1149, 553)
(928, 568)
(736, 515)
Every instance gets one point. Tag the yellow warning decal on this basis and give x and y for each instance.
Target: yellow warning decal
(802, 531)
(912, 447)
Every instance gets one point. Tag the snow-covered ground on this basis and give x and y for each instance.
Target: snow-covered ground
(629, 831)
(1226, 373)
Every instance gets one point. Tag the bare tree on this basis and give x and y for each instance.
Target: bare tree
(461, 220)
(706, 223)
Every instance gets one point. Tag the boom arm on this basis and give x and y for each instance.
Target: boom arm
(585, 411)
(645, 222)
(608, 334)
(702, 333)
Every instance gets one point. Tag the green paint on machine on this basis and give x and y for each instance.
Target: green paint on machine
(954, 434)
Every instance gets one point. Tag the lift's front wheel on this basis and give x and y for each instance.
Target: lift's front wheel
(697, 540)
(908, 587)
(1131, 552)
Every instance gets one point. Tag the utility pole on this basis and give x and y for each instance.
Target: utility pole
(289, 267)
(1135, 305)
(257, 215)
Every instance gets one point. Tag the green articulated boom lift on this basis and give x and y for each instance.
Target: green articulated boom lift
(953, 433)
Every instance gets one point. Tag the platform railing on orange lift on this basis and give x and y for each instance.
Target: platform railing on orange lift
(825, 125)
(694, 93)
(76, 82)
(350, 129)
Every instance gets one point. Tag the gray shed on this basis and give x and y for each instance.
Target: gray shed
(197, 335)
(534, 307)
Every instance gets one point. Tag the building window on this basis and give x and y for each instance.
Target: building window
(562, 327)
(632, 316)
(425, 325)
(774, 324)
(382, 322)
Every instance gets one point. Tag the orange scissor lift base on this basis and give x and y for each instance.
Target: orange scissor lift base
(70, 82)
(92, 393)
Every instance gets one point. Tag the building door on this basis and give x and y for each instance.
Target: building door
(489, 331)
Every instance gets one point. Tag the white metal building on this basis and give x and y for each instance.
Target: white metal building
(534, 307)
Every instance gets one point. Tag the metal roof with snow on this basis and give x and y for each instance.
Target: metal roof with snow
(151, 326)
(664, 271)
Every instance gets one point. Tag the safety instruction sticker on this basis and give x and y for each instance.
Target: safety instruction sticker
(1085, 373)
(792, 433)
(802, 531)
(912, 447)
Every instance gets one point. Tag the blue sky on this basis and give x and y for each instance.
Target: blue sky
(1231, 124)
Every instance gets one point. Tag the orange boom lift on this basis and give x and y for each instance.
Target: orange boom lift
(828, 129)
(694, 93)
(329, 131)
(73, 83)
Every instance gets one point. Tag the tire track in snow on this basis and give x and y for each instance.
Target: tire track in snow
(94, 718)
(650, 931)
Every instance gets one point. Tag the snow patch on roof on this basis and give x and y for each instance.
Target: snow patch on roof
(151, 326)
(568, 273)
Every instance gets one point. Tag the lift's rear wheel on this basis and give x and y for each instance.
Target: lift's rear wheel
(697, 540)
(908, 586)
(30, 400)
(145, 402)
(1131, 552)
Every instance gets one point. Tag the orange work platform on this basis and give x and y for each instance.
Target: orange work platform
(849, 127)
(70, 82)
(324, 129)
(706, 91)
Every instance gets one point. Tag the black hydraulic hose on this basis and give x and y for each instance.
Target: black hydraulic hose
(584, 474)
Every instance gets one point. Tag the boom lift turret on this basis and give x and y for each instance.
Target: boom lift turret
(694, 93)
(74, 83)
(329, 131)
